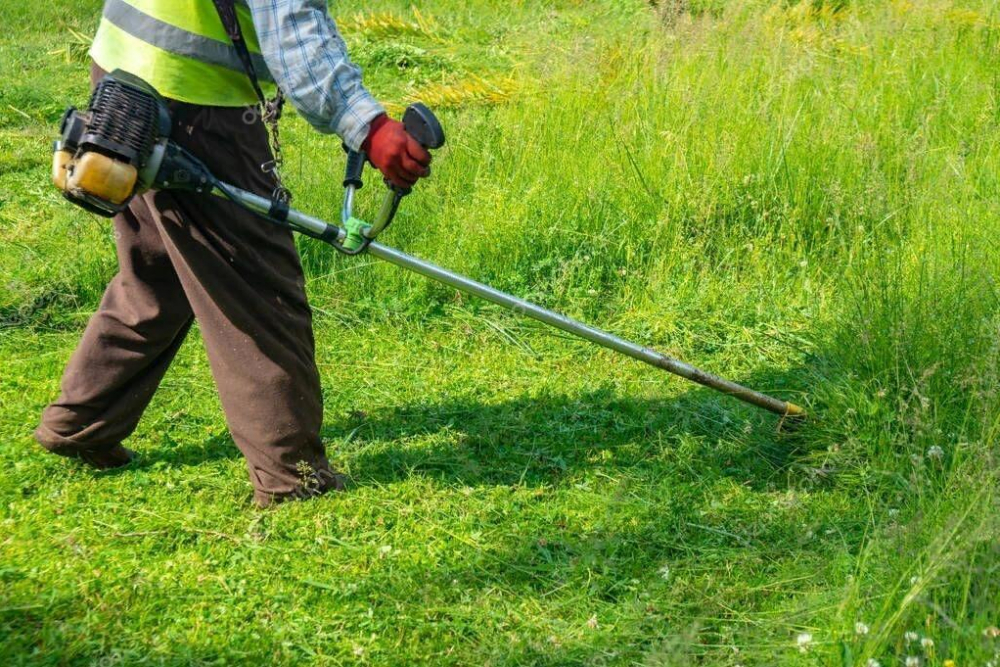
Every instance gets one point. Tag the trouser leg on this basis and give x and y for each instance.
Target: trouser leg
(127, 345)
(126, 348)
(243, 280)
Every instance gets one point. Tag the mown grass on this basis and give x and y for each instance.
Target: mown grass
(800, 196)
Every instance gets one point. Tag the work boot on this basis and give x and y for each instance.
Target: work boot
(73, 441)
(314, 485)
(107, 458)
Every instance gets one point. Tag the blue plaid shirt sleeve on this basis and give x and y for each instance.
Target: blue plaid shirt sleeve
(308, 59)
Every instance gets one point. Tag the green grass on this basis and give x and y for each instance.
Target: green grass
(801, 197)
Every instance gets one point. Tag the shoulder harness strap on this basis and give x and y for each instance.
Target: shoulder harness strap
(270, 110)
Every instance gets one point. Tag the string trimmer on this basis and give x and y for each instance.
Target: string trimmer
(120, 147)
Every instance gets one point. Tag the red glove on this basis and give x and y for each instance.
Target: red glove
(396, 154)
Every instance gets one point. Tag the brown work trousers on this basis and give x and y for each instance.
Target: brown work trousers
(185, 256)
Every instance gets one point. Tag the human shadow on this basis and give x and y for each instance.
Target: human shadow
(655, 468)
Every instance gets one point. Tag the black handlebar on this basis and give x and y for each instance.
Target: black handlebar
(355, 165)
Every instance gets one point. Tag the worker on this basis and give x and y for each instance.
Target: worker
(184, 257)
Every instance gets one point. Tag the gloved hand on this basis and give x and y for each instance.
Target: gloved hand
(395, 153)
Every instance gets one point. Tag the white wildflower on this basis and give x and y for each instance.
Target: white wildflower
(893, 512)
(935, 452)
(911, 636)
(860, 628)
(927, 643)
(991, 632)
(664, 572)
(912, 661)
(592, 622)
(872, 662)
(359, 651)
(384, 550)
(804, 640)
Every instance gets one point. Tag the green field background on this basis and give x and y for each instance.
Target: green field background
(802, 197)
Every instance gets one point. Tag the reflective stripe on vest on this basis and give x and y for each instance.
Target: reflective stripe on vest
(180, 48)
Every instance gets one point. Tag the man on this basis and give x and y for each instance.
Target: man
(184, 256)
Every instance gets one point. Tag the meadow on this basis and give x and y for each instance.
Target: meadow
(799, 196)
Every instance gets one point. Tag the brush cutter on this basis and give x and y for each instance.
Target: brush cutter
(120, 147)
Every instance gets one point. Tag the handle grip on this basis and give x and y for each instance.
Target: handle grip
(421, 124)
(355, 166)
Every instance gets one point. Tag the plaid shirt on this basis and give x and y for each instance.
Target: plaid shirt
(308, 59)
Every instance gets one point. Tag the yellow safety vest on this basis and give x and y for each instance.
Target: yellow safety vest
(181, 48)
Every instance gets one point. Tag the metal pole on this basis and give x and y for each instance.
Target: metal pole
(552, 318)
(587, 332)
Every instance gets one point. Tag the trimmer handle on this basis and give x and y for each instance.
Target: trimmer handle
(355, 165)
(421, 124)
(418, 121)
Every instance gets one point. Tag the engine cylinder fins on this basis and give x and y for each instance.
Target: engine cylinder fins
(122, 121)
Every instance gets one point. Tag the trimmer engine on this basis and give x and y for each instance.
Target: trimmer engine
(114, 150)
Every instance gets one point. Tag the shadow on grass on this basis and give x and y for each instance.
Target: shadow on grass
(538, 439)
(659, 460)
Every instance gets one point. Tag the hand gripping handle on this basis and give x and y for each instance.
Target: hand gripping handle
(421, 124)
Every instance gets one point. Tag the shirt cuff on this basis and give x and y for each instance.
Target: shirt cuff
(355, 122)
